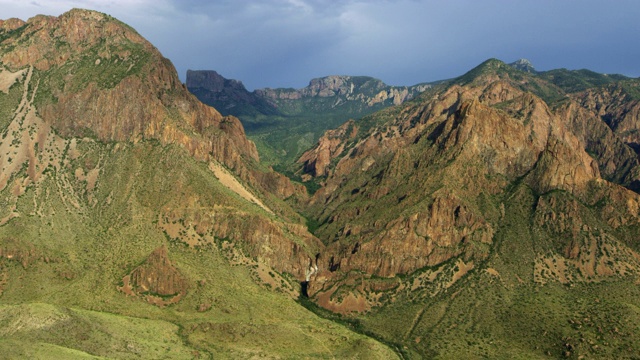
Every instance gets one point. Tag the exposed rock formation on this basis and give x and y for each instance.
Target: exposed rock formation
(156, 280)
(426, 183)
(85, 80)
(523, 65)
(316, 161)
(288, 121)
(94, 65)
(352, 88)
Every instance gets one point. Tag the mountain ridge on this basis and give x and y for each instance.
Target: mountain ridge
(493, 215)
(494, 181)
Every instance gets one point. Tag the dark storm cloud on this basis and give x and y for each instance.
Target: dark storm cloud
(280, 43)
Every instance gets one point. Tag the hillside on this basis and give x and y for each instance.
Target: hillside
(493, 217)
(286, 122)
(135, 220)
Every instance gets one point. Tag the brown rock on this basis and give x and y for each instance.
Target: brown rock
(156, 280)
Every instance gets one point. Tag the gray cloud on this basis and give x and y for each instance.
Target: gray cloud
(284, 43)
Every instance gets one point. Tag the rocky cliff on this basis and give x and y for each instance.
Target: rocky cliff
(89, 66)
(425, 185)
(134, 218)
(362, 89)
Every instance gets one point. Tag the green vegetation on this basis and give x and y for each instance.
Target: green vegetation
(517, 268)
(286, 123)
(90, 248)
(8, 103)
(579, 80)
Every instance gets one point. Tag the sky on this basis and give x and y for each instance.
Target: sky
(286, 43)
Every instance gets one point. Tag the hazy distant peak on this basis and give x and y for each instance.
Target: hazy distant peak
(523, 65)
(211, 80)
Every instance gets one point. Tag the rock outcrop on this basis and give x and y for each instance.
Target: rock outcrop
(84, 82)
(289, 121)
(362, 89)
(156, 280)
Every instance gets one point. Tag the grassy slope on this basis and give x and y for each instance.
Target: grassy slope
(78, 242)
(508, 316)
(91, 249)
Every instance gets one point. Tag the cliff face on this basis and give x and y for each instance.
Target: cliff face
(426, 184)
(89, 67)
(607, 118)
(232, 96)
(361, 89)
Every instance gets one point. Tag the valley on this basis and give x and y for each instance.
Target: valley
(492, 215)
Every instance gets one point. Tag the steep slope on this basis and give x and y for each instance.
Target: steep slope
(135, 220)
(286, 122)
(446, 218)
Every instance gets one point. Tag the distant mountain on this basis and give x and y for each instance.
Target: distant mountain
(493, 216)
(286, 122)
(523, 65)
(228, 95)
(137, 222)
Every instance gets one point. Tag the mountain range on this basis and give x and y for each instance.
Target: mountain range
(285, 122)
(492, 215)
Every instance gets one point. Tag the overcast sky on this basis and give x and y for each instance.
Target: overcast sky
(285, 43)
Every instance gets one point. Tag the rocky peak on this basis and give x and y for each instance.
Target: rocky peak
(11, 24)
(212, 81)
(468, 141)
(328, 86)
(523, 65)
(339, 85)
(88, 66)
(53, 40)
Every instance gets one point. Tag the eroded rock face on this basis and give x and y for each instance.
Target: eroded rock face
(261, 238)
(331, 144)
(427, 183)
(157, 281)
(94, 65)
(606, 120)
(366, 90)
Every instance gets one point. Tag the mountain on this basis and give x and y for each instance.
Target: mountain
(286, 122)
(493, 216)
(228, 95)
(523, 65)
(135, 220)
